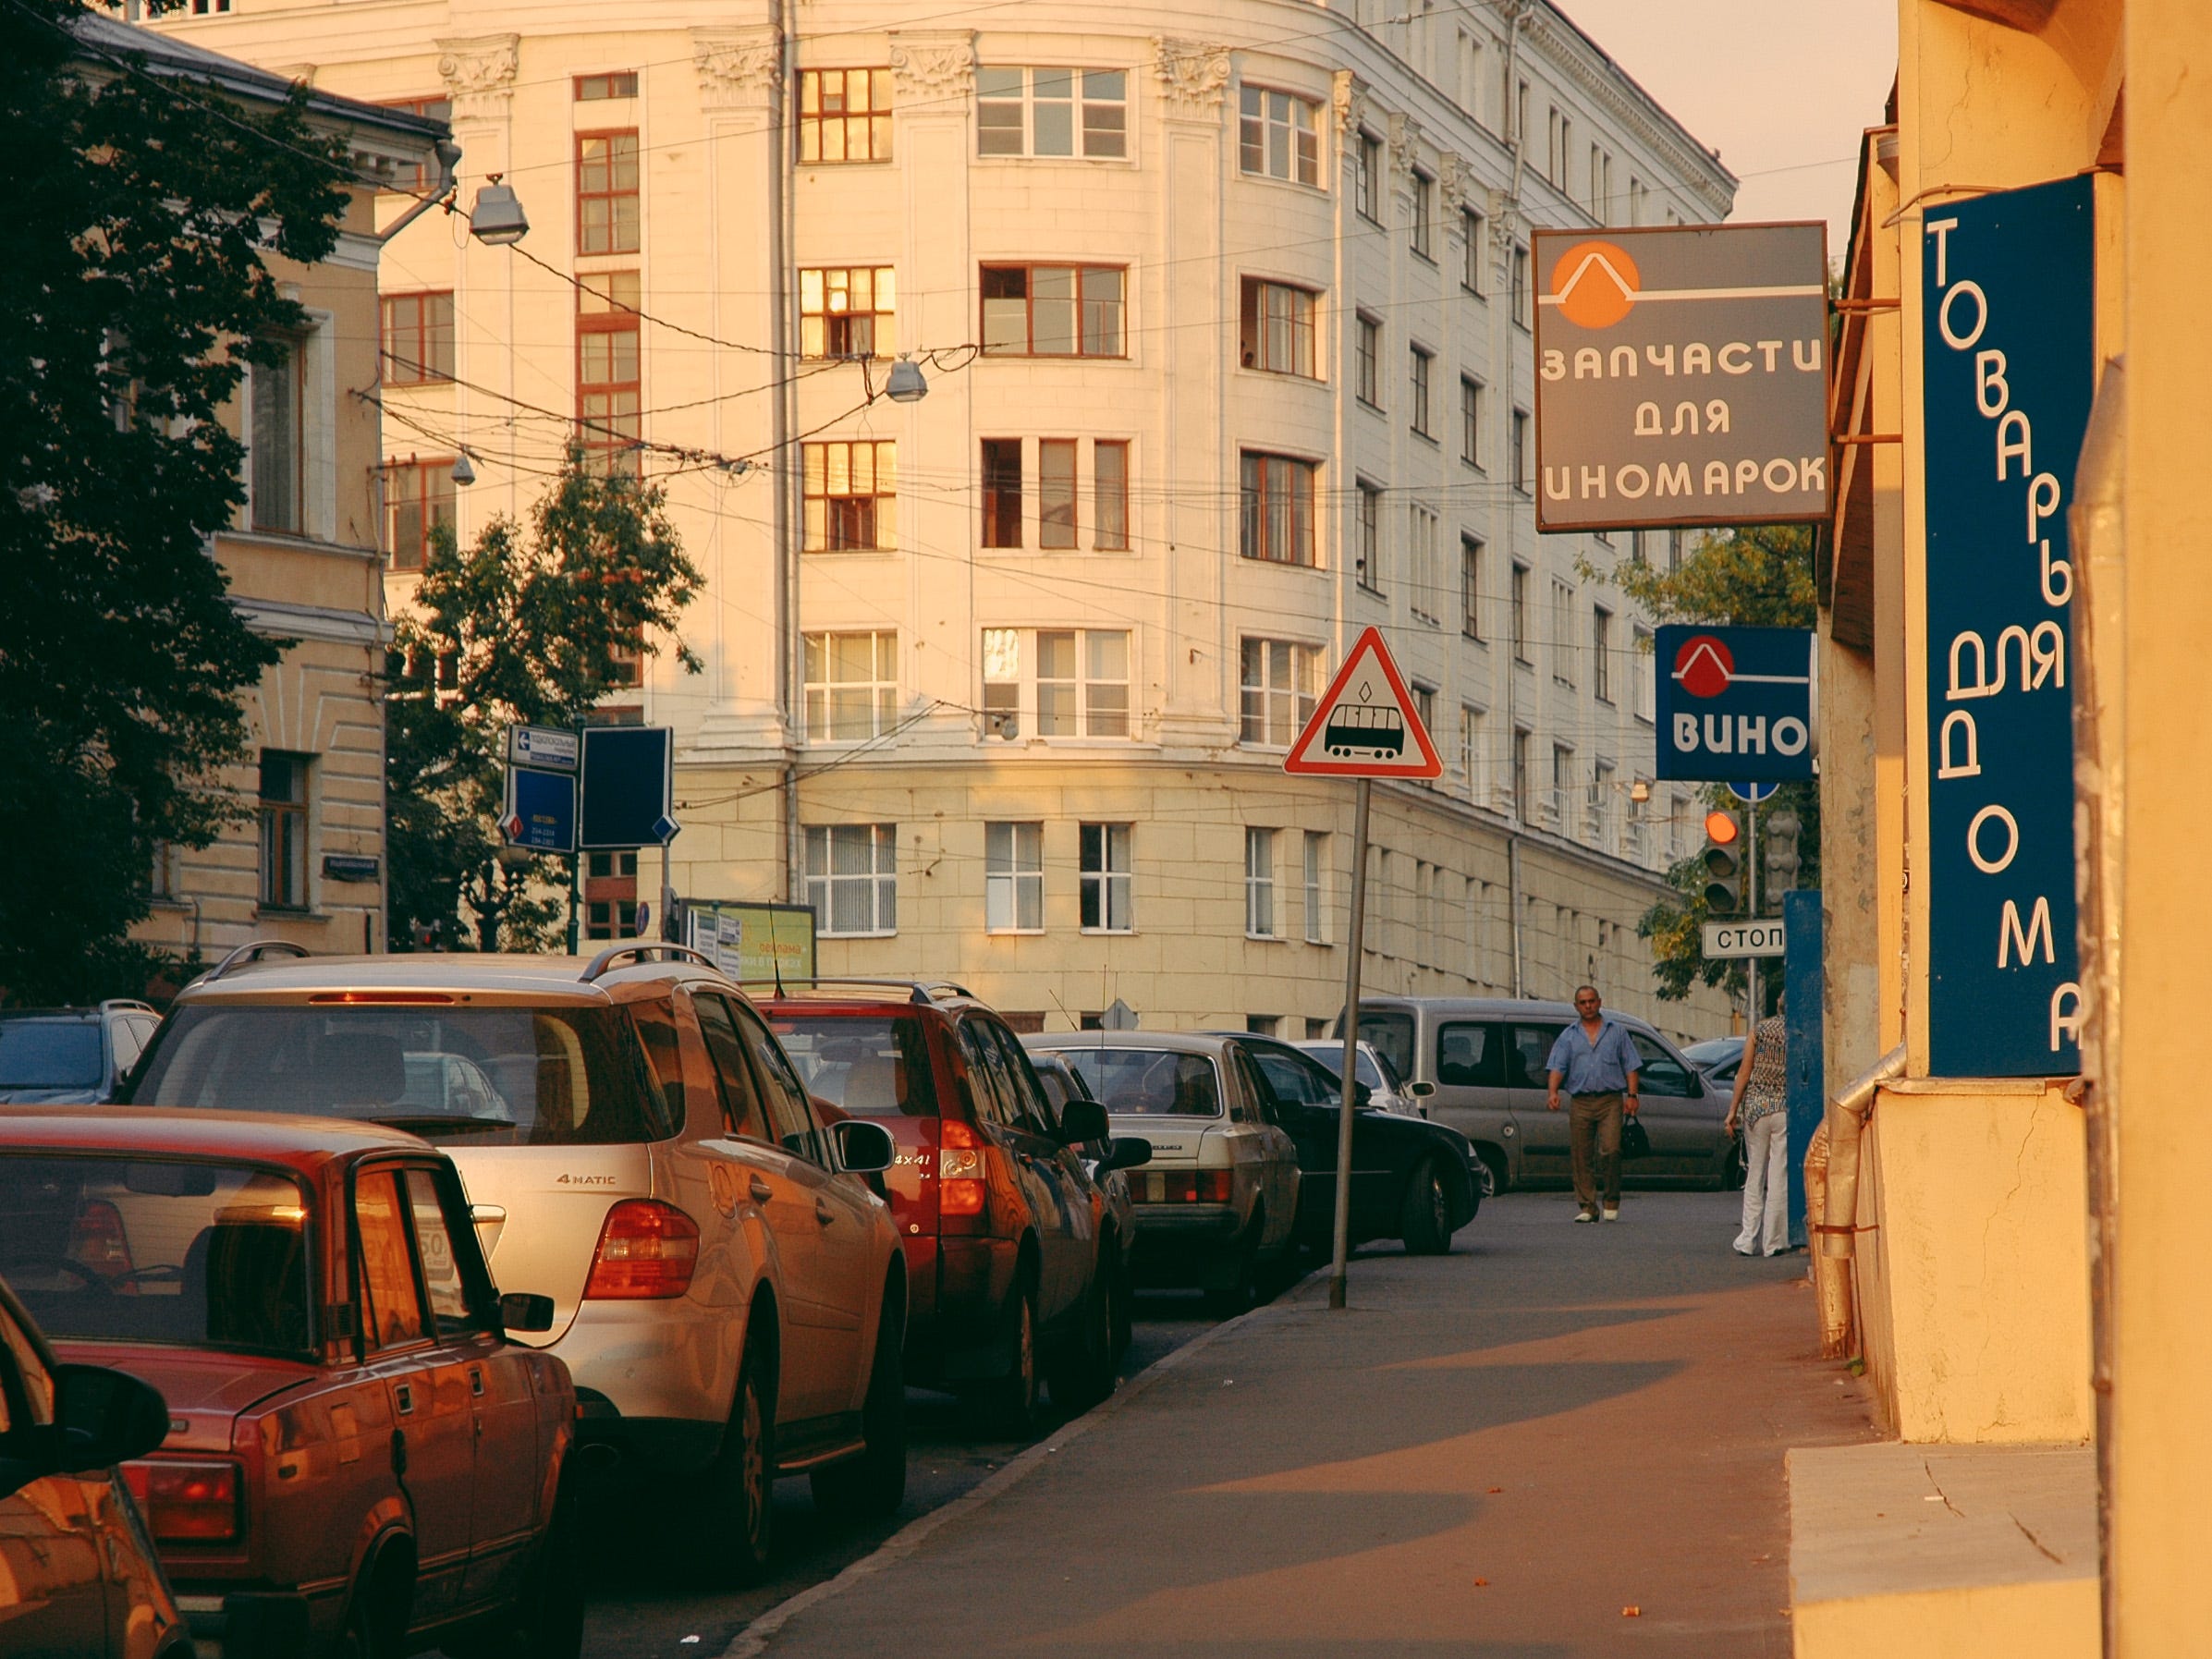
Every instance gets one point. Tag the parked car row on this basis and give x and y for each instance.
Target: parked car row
(731, 1228)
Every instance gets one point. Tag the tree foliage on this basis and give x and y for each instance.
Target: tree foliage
(1758, 577)
(135, 287)
(529, 625)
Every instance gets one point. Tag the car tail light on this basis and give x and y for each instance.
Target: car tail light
(647, 1251)
(97, 1239)
(959, 1169)
(191, 1503)
(1182, 1186)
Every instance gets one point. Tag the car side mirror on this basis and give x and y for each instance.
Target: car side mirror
(525, 1310)
(863, 1148)
(1420, 1090)
(106, 1417)
(1128, 1151)
(1084, 1120)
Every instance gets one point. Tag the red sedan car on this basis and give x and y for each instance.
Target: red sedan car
(358, 1461)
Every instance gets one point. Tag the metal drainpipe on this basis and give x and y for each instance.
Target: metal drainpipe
(1517, 141)
(1513, 898)
(1847, 1110)
(787, 469)
(2097, 529)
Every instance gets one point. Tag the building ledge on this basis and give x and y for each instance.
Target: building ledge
(1944, 1550)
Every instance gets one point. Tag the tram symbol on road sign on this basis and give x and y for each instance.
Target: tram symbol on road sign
(1365, 724)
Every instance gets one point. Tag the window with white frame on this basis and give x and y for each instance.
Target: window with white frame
(1316, 887)
(1259, 884)
(1052, 112)
(1367, 178)
(1562, 787)
(852, 878)
(1563, 654)
(1601, 653)
(1105, 859)
(1280, 681)
(1471, 421)
(1473, 766)
(1075, 681)
(1471, 586)
(1644, 665)
(1422, 382)
(1279, 135)
(1367, 349)
(1600, 815)
(1474, 249)
(1367, 567)
(851, 686)
(1422, 232)
(1014, 878)
(1424, 704)
(1426, 580)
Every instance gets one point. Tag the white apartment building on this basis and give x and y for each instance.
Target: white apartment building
(1226, 333)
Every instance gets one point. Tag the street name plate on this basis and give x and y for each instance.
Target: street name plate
(1725, 939)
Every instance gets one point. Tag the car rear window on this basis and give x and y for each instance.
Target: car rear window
(493, 1076)
(1391, 1032)
(1158, 1083)
(181, 1254)
(49, 1053)
(871, 1066)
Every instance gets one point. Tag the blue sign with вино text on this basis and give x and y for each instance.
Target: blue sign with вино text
(2009, 364)
(1734, 703)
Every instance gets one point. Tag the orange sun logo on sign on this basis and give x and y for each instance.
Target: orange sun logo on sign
(1595, 284)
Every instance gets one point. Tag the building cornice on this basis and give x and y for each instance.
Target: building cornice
(276, 620)
(1697, 170)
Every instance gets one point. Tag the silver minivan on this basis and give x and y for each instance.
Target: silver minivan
(1486, 1058)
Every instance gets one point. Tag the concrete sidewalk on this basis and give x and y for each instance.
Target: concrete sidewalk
(1500, 1452)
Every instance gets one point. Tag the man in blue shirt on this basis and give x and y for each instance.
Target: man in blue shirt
(1597, 1063)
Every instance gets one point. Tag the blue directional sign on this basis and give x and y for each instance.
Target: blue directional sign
(1751, 795)
(2009, 348)
(629, 781)
(1735, 702)
(541, 810)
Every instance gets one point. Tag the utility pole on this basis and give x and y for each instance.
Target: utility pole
(1751, 908)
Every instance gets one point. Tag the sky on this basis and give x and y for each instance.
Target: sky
(1781, 88)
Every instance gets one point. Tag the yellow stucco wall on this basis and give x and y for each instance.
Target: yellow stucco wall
(1973, 1283)
(2020, 1621)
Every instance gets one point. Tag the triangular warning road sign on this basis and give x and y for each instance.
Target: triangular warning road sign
(1364, 725)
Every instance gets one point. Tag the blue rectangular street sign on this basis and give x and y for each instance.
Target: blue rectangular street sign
(541, 810)
(2008, 348)
(1734, 703)
(628, 779)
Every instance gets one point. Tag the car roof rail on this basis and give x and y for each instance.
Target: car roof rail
(642, 952)
(255, 951)
(917, 990)
(137, 1004)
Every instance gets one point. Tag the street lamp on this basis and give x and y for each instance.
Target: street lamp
(906, 385)
(464, 473)
(498, 219)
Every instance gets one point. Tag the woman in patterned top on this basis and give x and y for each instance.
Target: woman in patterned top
(1762, 1083)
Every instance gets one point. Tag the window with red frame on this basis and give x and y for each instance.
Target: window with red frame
(418, 338)
(607, 192)
(607, 370)
(418, 499)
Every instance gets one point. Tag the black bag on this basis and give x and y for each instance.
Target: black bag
(1635, 1142)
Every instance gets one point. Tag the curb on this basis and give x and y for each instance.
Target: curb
(753, 1639)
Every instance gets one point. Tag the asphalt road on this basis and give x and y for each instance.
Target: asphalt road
(641, 1608)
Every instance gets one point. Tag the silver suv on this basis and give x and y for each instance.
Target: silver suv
(729, 1293)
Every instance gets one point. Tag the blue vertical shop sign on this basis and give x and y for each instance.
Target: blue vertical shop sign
(2009, 354)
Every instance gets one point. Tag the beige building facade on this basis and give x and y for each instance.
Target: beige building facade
(2020, 1250)
(305, 563)
(1227, 351)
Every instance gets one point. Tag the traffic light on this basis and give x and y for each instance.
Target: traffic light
(1779, 847)
(1724, 861)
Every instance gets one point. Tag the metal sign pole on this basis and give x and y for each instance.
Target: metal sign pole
(1354, 944)
(1751, 908)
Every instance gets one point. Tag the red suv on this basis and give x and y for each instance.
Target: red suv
(1010, 1247)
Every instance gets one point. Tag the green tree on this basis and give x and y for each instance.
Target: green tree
(529, 625)
(135, 288)
(1758, 577)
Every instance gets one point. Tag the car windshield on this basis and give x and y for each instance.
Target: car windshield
(1713, 1050)
(493, 1076)
(49, 1053)
(181, 1254)
(1157, 1083)
(1331, 1054)
(874, 1067)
